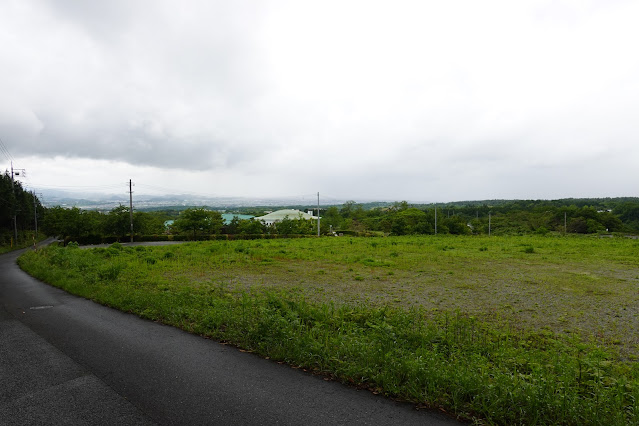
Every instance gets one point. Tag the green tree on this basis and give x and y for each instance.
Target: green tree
(456, 225)
(232, 227)
(578, 225)
(352, 210)
(18, 203)
(594, 226)
(332, 217)
(399, 226)
(410, 221)
(199, 220)
(251, 226)
(53, 221)
(118, 222)
(611, 222)
(297, 226)
(148, 223)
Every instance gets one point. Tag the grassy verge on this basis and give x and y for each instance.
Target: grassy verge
(477, 363)
(26, 239)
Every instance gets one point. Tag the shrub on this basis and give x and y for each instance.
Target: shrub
(109, 272)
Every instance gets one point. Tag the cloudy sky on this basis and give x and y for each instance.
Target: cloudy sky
(396, 100)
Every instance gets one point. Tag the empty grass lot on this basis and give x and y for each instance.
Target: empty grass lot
(501, 330)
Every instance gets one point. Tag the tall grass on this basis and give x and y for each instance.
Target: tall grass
(25, 239)
(486, 371)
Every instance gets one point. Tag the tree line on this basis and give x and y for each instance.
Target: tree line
(17, 203)
(92, 226)
(513, 217)
(500, 217)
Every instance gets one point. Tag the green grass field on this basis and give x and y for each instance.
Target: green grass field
(501, 330)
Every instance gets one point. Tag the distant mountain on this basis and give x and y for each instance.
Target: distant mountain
(105, 202)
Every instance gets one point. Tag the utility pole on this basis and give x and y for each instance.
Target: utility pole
(318, 216)
(565, 223)
(435, 219)
(15, 222)
(35, 214)
(15, 202)
(131, 207)
(489, 224)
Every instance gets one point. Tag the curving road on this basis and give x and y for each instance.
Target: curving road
(67, 360)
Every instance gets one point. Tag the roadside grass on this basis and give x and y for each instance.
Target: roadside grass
(25, 239)
(485, 328)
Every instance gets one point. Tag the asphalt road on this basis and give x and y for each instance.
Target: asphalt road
(67, 360)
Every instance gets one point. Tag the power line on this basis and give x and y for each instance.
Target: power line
(5, 151)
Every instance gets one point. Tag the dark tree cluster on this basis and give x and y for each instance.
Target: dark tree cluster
(18, 203)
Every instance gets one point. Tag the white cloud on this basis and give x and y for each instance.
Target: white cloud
(368, 99)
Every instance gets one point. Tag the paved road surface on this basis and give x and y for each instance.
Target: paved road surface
(66, 360)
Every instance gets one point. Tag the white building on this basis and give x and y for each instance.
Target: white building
(279, 215)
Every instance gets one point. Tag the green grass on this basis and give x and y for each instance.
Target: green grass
(507, 330)
(25, 239)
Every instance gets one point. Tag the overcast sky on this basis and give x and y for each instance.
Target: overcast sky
(395, 100)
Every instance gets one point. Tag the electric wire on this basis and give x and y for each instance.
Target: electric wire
(5, 151)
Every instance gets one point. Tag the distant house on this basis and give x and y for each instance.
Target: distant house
(280, 215)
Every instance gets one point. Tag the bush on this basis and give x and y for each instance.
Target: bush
(109, 272)
(542, 230)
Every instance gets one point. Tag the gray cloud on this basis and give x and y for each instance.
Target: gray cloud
(138, 85)
(497, 98)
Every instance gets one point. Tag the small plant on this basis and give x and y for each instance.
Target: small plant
(529, 249)
(109, 272)
(542, 230)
